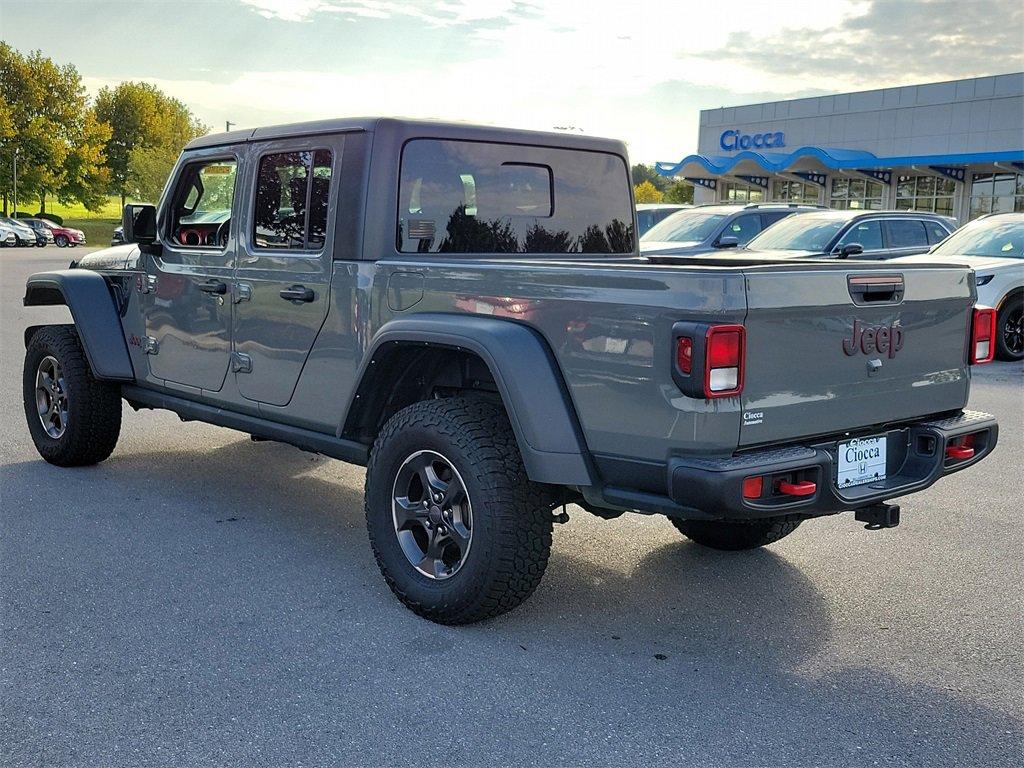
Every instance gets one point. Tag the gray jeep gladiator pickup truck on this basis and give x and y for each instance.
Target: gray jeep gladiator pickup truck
(464, 311)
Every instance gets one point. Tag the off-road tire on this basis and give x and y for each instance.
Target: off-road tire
(94, 407)
(1010, 313)
(511, 525)
(735, 536)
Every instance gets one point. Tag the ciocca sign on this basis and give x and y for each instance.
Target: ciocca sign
(731, 140)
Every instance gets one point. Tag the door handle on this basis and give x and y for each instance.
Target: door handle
(297, 293)
(214, 286)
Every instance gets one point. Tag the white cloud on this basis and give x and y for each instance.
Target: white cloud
(561, 63)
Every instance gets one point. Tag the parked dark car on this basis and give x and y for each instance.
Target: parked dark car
(708, 227)
(649, 214)
(44, 235)
(859, 234)
(118, 237)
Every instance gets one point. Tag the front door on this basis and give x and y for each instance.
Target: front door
(186, 295)
(283, 273)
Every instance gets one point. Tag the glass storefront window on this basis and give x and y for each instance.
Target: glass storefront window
(925, 193)
(856, 194)
(996, 193)
(735, 192)
(794, 192)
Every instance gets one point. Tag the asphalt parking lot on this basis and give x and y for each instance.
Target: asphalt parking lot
(199, 599)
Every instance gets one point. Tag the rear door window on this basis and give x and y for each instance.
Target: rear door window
(767, 219)
(906, 233)
(480, 197)
(292, 195)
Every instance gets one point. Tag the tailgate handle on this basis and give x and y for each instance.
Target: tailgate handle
(876, 289)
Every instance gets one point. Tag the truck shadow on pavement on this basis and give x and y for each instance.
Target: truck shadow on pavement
(679, 653)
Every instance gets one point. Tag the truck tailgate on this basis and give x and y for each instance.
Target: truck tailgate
(825, 357)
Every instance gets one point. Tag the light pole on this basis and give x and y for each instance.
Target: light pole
(15, 214)
(227, 125)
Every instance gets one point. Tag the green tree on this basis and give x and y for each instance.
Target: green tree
(646, 193)
(47, 118)
(147, 127)
(642, 173)
(148, 169)
(679, 192)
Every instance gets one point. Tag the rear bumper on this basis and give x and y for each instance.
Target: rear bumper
(712, 488)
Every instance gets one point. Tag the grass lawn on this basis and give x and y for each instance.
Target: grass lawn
(97, 231)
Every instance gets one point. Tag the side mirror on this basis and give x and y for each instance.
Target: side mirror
(851, 249)
(728, 242)
(138, 223)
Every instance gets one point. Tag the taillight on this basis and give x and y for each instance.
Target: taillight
(983, 334)
(723, 360)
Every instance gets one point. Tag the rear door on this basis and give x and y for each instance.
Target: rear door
(823, 357)
(282, 279)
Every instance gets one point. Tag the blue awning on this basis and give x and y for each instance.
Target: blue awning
(831, 158)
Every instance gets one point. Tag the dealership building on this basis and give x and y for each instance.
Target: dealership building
(955, 148)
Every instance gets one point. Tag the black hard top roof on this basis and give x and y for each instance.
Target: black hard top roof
(405, 126)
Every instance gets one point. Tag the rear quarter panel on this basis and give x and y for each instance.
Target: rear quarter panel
(609, 328)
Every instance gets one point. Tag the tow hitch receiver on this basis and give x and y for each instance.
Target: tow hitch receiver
(879, 516)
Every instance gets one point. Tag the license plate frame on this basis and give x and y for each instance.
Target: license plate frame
(861, 461)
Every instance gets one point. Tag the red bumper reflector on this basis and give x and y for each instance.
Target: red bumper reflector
(959, 452)
(752, 487)
(803, 488)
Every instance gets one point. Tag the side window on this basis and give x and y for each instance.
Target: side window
(867, 233)
(743, 227)
(906, 233)
(292, 195)
(201, 206)
(936, 232)
(767, 219)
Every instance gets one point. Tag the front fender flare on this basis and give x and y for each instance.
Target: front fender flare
(527, 376)
(97, 322)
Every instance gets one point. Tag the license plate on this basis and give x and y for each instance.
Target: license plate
(861, 461)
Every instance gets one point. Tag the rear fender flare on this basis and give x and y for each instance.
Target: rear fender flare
(528, 379)
(94, 310)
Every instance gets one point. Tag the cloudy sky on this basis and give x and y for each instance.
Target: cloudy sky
(636, 70)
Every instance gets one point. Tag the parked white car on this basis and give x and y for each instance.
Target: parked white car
(994, 247)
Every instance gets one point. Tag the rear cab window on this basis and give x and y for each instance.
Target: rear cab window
(481, 197)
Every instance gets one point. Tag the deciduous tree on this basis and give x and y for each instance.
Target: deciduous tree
(679, 192)
(48, 120)
(148, 131)
(646, 193)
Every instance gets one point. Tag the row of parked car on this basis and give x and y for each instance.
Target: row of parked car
(36, 232)
(992, 245)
